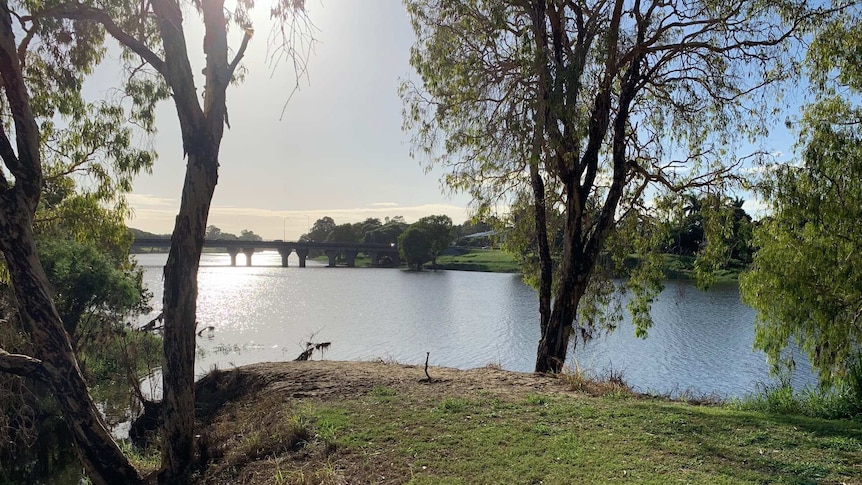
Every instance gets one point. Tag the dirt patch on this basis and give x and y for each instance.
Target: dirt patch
(340, 380)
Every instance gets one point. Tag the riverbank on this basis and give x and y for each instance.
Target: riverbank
(360, 422)
(484, 260)
(487, 260)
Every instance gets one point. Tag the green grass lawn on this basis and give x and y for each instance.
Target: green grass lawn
(490, 260)
(543, 439)
(480, 428)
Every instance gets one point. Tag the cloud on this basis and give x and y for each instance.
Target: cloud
(385, 204)
(147, 200)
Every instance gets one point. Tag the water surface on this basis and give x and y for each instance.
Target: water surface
(701, 342)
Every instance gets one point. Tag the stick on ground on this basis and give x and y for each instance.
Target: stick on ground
(427, 356)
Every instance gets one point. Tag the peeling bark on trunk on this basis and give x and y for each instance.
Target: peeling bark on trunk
(180, 303)
(202, 130)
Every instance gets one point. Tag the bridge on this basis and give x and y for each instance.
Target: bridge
(380, 254)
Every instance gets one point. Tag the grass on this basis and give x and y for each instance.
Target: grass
(488, 260)
(782, 399)
(545, 439)
(679, 267)
(430, 433)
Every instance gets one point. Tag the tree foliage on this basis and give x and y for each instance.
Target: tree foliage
(582, 110)
(371, 231)
(713, 230)
(414, 244)
(348, 233)
(438, 228)
(806, 282)
(93, 292)
(320, 230)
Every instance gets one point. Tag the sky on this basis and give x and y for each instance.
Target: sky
(338, 150)
(335, 149)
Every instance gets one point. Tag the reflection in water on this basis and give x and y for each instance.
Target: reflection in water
(701, 342)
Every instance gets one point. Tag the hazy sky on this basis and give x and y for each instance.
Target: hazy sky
(338, 150)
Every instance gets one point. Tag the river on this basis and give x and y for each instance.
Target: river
(701, 342)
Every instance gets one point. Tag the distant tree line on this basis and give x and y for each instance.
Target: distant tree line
(688, 223)
(419, 243)
(213, 233)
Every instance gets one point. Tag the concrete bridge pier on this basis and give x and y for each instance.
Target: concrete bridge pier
(248, 252)
(285, 252)
(375, 258)
(350, 256)
(303, 254)
(232, 252)
(332, 254)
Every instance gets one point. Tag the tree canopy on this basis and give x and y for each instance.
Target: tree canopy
(583, 110)
(806, 281)
(438, 228)
(414, 244)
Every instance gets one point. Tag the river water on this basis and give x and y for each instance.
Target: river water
(701, 341)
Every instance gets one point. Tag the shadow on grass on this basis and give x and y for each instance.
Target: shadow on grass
(748, 446)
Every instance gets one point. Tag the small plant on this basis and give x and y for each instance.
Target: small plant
(537, 399)
(581, 380)
(454, 405)
(382, 391)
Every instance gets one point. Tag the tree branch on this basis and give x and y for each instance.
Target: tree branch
(22, 365)
(241, 52)
(7, 153)
(78, 11)
(27, 166)
(25, 42)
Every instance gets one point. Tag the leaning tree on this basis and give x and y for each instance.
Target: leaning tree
(153, 39)
(592, 109)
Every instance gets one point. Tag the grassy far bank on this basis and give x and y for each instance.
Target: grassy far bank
(338, 422)
(497, 261)
(489, 260)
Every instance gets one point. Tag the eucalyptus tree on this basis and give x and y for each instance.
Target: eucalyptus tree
(806, 280)
(42, 66)
(592, 109)
(62, 42)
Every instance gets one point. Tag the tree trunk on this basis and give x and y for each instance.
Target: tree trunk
(575, 268)
(103, 460)
(180, 307)
(56, 365)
